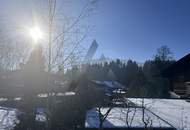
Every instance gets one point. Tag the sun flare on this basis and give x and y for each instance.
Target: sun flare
(36, 34)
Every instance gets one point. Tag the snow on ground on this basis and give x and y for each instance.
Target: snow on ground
(40, 115)
(174, 111)
(7, 118)
(117, 118)
(44, 95)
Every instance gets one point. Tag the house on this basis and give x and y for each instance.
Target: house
(179, 76)
(110, 87)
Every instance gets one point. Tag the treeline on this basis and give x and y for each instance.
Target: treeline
(141, 81)
(68, 112)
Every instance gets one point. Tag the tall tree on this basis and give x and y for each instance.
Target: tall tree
(35, 79)
(163, 54)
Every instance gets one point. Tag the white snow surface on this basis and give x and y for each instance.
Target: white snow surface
(117, 118)
(175, 111)
(7, 118)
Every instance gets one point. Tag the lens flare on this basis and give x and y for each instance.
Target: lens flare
(36, 34)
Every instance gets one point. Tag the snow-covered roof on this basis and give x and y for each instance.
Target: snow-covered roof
(110, 84)
(175, 112)
(118, 115)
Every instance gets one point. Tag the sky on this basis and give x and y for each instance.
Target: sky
(136, 28)
(127, 29)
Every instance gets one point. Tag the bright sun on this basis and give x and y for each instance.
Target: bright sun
(36, 34)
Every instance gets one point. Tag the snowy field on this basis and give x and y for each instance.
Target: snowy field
(7, 118)
(117, 118)
(159, 113)
(175, 112)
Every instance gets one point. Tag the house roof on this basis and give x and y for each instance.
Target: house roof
(109, 84)
(179, 67)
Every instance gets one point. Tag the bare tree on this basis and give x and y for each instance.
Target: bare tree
(103, 116)
(12, 54)
(164, 54)
(65, 37)
(146, 119)
(66, 33)
(64, 40)
(129, 120)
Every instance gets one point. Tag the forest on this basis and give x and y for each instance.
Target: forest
(141, 80)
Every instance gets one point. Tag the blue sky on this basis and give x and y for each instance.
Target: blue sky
(127, 28)
(136, 28)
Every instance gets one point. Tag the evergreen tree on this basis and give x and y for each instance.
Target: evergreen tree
(34, 82)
